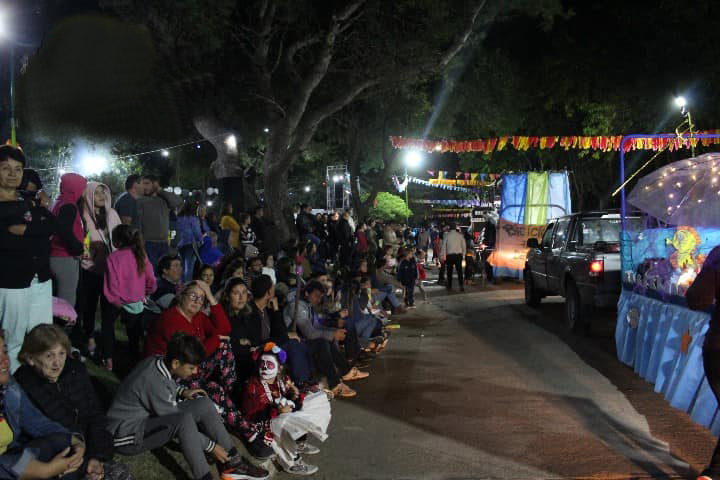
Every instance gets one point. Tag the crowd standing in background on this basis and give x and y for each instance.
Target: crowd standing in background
(228, 332)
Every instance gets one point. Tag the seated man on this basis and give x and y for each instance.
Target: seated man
(170, 273)
(150, 409)
(384, 286)
(321, 340)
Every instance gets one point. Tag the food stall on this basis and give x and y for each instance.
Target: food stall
(663, 249)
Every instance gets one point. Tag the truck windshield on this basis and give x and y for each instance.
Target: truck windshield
(606, 230)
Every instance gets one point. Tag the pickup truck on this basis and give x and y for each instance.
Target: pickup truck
(578, 258)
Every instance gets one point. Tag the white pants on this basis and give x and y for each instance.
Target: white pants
(21, 309)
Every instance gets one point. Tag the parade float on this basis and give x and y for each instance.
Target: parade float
(663, 249)
(528, 202)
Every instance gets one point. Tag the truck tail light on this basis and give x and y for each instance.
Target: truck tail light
(596, 268)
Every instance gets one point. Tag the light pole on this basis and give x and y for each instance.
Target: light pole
(681, 103)
(411, 159)
(4, 35)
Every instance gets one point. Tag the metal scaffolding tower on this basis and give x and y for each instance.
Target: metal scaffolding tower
(337, 179)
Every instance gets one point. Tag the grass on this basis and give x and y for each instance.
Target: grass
(160, 464)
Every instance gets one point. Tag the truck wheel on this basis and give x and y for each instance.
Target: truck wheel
(532, 297)
(578, 316)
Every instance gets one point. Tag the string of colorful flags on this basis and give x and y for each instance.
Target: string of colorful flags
(605, 143)
(446, 185)
(459, 203)
(450, 215)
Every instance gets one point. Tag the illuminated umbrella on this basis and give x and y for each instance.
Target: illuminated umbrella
(686, 192)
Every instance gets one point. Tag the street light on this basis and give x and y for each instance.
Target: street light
(680, 101)
(307, 188)
(231, 143)
(412, 159)
(165, 153)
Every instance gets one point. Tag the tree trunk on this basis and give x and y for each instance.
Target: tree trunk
(278, 207)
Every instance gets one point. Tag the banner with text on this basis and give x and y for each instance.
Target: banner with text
(511, 244)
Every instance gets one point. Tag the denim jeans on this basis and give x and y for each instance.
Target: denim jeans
(387, 291)
(188, 259)
(299, 360)
(365, 325)
(154, 251)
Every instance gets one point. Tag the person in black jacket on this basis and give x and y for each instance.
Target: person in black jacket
(60, 388)
(259, 322)
(25, 230)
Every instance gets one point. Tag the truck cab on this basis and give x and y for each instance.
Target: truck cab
(578, 258)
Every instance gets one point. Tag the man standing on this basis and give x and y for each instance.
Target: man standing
(258, 225)
(126, 203)
(452, 252)
(153, 212)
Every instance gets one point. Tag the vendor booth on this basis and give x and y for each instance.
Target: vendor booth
(663, 249)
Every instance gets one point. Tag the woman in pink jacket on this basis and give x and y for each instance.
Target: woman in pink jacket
(65, 250)
(99, 219)
(129, 278)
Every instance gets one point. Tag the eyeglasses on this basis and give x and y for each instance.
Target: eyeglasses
(195, 297)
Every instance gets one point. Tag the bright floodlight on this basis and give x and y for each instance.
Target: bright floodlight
(209, 203)
(337, 178)
(231, 142)
(413, 159)
(93, 164)
(266, 130)
(165, 153)
(680, 101)
(177, 190)
(307, 189)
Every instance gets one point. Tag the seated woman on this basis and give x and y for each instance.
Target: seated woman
(60, 387)
(217, 373)
(31, 445)
(275, 403)
(260, 321)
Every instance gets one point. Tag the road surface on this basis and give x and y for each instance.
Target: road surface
(479, 386)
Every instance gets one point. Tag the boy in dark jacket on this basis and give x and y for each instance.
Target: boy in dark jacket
(150, 408)
(408, 274)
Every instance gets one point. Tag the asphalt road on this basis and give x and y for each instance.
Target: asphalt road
(479, 386)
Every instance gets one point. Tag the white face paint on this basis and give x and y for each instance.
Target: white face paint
(268, 367)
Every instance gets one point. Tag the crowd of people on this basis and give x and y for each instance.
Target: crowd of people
(228, 332)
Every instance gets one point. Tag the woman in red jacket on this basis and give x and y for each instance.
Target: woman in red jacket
(216, 374)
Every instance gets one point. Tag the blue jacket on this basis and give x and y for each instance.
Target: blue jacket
(23, 417)
(188, 230)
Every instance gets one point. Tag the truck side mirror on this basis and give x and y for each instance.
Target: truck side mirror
(533, 243)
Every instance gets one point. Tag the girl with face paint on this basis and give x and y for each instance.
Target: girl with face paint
(272, 401)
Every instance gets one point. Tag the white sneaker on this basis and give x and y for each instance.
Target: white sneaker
(305, 448)
(302, 468)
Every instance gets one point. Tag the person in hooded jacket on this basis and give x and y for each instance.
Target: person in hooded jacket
(99, 219)
(65, 252)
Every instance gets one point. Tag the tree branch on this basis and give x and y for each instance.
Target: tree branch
(318, 71)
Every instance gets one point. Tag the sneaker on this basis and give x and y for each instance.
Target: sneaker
(243, 470)
(305, 448)
(259, 449)
(301, 468)
(343, 391)
(355, 374)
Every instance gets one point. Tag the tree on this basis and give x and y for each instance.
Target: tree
(390, 207)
